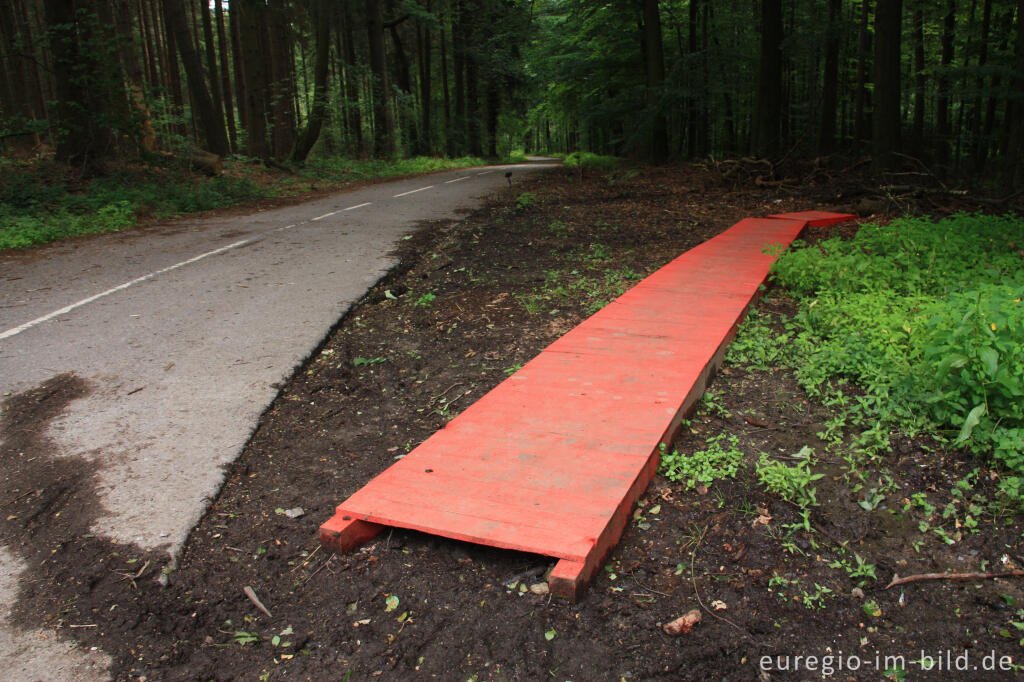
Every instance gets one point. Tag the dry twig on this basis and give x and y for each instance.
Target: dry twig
(251, 594)
(896, 580)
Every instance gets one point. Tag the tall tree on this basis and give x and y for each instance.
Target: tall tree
(886, 120)
(383, 128)
(830, 85)
(768, 111)
(85, 82)
(309, 135)
(210, 120)
(654, 67)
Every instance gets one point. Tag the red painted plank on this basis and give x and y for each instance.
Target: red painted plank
(552, 460)
(816, 218)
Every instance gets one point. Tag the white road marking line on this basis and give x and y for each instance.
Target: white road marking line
(357, 206)
(403, 194)
(325, 215)
(485, 173)
(138, 280)
(464, 177)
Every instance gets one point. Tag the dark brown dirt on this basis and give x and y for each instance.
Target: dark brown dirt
(471, 301)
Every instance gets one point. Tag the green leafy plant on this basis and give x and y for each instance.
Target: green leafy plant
(792, 483)
(424, 300)
(525, 200)
(720, 459)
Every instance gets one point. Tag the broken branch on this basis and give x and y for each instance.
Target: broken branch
(896, 580)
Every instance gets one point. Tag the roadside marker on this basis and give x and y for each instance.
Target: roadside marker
(138, 280)
(412, 191)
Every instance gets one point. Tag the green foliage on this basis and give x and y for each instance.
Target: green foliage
(37, 206)
(792, 483)
(425, 300)
(927, 319)
(342, 169)
(525, 200)
(720, 459)
(589, 160)
(758, 345)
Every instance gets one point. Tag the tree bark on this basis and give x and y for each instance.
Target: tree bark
(281, 81)
(211, 64)
(254, 74)
(861, 117)
(654, 67)
(830, 86)
(1013, 159)
(886, 125)
(309, 135)
(470, 12)
(354, 114)
(211, 122)
(84, 139)
(457, 132)
(225, 75)
(406, 117)
(920, 82)
(942, 122)
(768, 111)
(383, 128)
(425, 139)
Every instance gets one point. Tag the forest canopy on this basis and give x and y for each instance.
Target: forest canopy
(904, 82)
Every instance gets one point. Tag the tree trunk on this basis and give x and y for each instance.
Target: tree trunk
(768, 111)
(308, 137)
(225, 75)
(425, 144)
(383, 128)
(473, 127)
(84, 139)
(211, 64)
(942, 103)
(457, 132)
(830, 86)
(250, 27)
(406, 117)
(354, 114)
(978, 148)
(209, 119)
(920, 82)
(237, 62)
(862, 119)
(449, 148)
(1013, 169)
(654, 67)
(886, 128)
(281, 80)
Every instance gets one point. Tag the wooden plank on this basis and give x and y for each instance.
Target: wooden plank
(552, 460)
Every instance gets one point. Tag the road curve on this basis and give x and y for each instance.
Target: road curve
(183, 333)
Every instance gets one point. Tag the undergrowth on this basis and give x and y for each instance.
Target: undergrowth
(590, 160)
(41, 203)
(916, 325)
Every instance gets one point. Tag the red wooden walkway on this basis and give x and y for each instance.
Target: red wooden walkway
(552, 460)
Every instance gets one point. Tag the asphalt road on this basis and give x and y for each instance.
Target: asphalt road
(183, 334)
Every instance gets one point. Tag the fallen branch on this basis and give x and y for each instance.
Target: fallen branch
(251, 594)
(896, 580)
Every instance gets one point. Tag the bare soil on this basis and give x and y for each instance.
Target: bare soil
(470, 302)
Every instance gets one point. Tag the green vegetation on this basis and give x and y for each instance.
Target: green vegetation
(589, 160)
(720, 459)
(926, 319)
(792, 483)
(36, 207)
